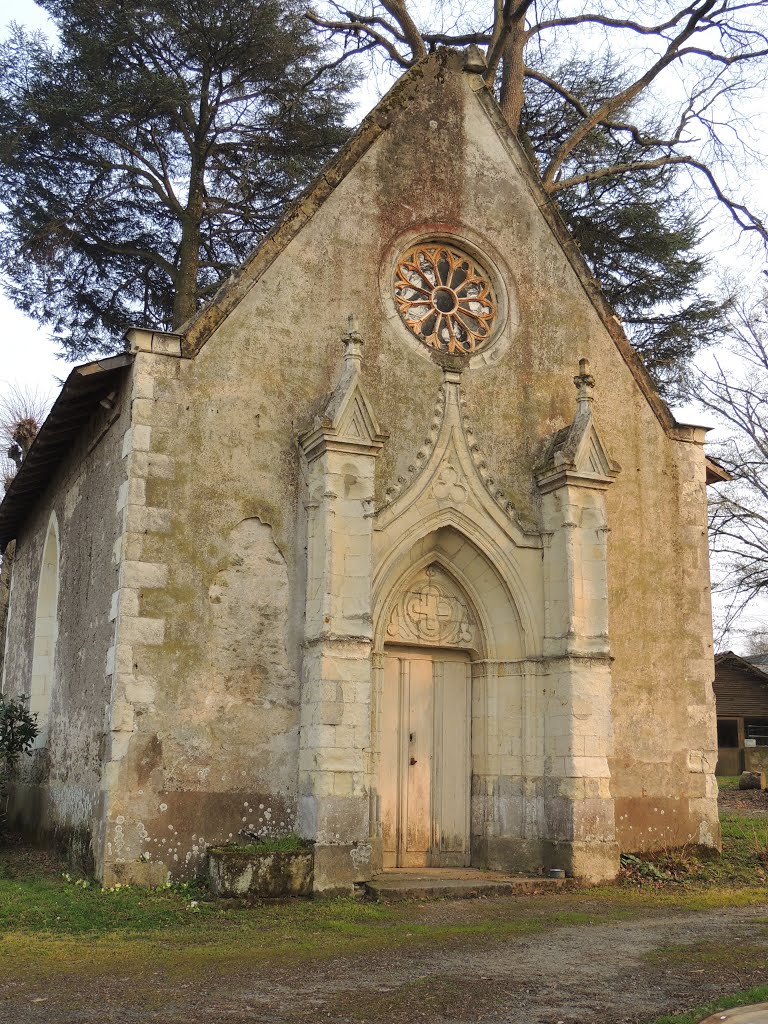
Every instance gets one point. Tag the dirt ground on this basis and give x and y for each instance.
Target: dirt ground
(626, 972)
(753, 802)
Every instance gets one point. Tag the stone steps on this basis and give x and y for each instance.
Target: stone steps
(449, 883)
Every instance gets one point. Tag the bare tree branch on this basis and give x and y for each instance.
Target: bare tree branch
(398, 10)
(355, 27)
(736, 391)
(740, 214)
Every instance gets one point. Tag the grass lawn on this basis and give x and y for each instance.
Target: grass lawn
(745, 998)
(728, 781)
(743, 861)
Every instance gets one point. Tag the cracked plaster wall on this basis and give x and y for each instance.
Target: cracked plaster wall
(204, 732)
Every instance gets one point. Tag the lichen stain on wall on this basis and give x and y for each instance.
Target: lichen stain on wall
(171, 841)
(228, 764)
(60, 786)
(242, 691)
(249, 604)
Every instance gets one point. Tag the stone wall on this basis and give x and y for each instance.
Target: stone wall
(664, 708)
(60, 793)
(211, 609)
(204, 729)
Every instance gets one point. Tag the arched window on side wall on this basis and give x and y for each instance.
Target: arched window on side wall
(46, 633)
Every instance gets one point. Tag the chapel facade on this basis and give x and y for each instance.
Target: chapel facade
(394, 545)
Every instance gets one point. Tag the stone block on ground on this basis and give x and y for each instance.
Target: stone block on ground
(237, 872)
(752, 780)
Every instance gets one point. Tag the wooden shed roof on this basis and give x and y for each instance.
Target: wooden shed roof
(745, 664)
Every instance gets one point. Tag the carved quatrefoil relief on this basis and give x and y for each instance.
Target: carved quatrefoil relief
(445, 298)
(432, 611)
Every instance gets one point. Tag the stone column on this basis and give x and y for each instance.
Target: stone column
(578, 737)
(335, 740)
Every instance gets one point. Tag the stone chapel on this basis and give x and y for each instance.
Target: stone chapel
(393, 546)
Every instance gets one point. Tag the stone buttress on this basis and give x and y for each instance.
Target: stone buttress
(340, 453)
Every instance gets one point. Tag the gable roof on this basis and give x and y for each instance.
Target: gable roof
(196, 332)
(78, 397)
(746, 665)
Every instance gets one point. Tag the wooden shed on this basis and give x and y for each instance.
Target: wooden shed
(741, 697)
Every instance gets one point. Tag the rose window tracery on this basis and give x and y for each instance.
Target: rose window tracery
(445, 298)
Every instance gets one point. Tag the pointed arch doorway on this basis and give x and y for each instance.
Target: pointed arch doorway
(425, 773)
(447, 643)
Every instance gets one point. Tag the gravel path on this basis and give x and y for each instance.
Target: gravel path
(627, 972)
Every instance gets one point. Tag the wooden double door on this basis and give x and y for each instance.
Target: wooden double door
(425, 777)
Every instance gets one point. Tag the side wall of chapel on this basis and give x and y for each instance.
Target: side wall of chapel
(59, 794)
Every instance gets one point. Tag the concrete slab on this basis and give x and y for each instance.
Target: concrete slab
(452, 883)
(755, 1014)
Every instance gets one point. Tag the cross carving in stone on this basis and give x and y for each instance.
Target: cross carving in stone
(429, 610)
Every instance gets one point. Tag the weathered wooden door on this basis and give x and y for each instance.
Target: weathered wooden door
(425, 758)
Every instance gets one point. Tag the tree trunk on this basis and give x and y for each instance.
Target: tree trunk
(188, 257)
(513, 76)
(188, 262)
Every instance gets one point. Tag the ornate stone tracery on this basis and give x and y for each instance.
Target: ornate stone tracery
(448, 486)
(445, 298)
(432, 611)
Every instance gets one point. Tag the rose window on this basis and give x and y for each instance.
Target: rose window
(445, 298)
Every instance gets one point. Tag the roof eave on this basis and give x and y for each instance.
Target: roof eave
(85, 387)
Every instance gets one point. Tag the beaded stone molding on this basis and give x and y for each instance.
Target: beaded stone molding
(450, 394)
(445, 298)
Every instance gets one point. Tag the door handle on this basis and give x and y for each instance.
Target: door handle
(413, 760)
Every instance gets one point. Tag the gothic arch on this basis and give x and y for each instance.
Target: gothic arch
(466, 623)
(46, 632)
(481, 569)
(439, 598)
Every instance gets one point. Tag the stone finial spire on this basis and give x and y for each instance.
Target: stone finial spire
(474, 60)
(584, 382)
(353, 342)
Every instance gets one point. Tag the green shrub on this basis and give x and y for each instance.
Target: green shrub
(18, 731)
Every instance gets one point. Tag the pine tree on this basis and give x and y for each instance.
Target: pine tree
(147, 151)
